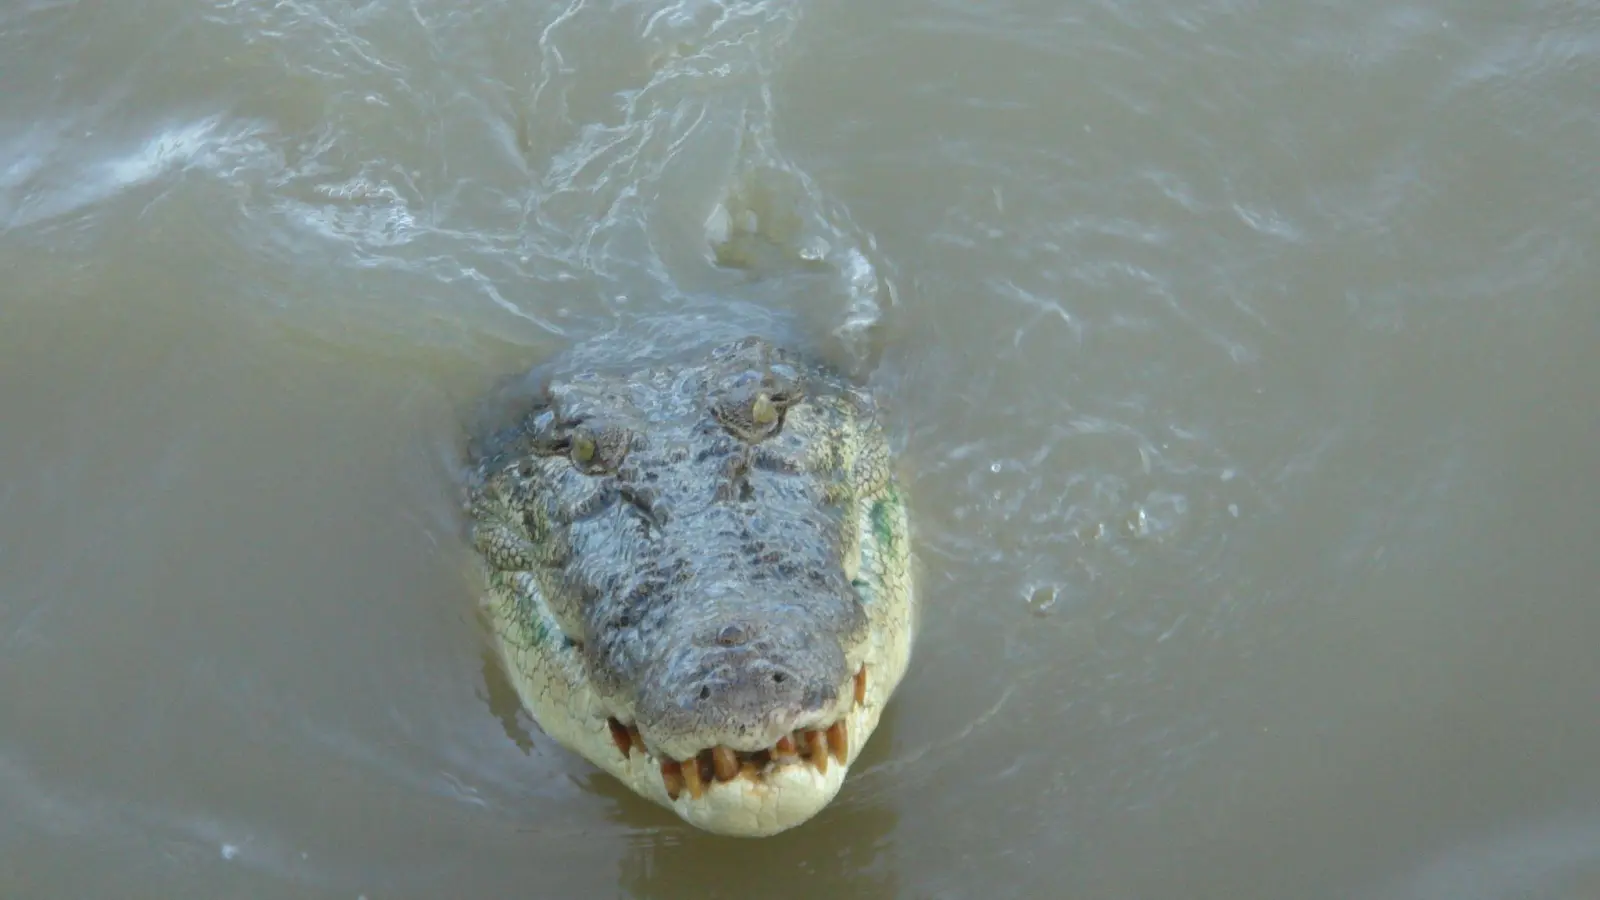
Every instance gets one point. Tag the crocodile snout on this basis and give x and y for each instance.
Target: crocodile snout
(744, 686)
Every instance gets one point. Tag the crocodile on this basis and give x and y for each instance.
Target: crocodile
(698, 576)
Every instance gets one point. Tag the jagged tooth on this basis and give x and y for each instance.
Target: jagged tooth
(636, 739)
(708, 770)
(691, 778)
(785, 746)
(750, 770)
(672, 777)
(725, 763)
(817, 746)
(861, 685)
(839, 741)
(619, 736)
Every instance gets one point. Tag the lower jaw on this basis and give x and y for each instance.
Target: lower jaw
(785, 795)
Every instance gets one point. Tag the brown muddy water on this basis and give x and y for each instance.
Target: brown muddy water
(1242, 357)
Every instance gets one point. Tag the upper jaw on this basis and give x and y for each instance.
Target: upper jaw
(741, 697)
(746, 724)
(814, 738)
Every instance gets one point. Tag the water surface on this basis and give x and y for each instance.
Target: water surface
(1240, 356)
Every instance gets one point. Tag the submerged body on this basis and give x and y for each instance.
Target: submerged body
(699, 578)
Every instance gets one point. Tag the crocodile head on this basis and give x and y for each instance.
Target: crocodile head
(698, 576)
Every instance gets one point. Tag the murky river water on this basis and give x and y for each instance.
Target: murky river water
(1242, 356)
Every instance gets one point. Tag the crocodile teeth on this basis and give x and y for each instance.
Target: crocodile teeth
(817, 749)
(722, 764)
(691, 778)
(619, 736)
(861, 685)
(839, 741)
(672, 777)
(636, 739)
(725, 763)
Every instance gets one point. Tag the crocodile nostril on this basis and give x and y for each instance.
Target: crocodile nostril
(778, 677)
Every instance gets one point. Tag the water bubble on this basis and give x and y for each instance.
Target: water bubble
(1137, 524)
(1042, 599)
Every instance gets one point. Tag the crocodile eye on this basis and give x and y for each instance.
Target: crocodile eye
(581, 448)
(763, 411)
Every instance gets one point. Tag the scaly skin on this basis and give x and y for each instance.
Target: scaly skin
(713, 554)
